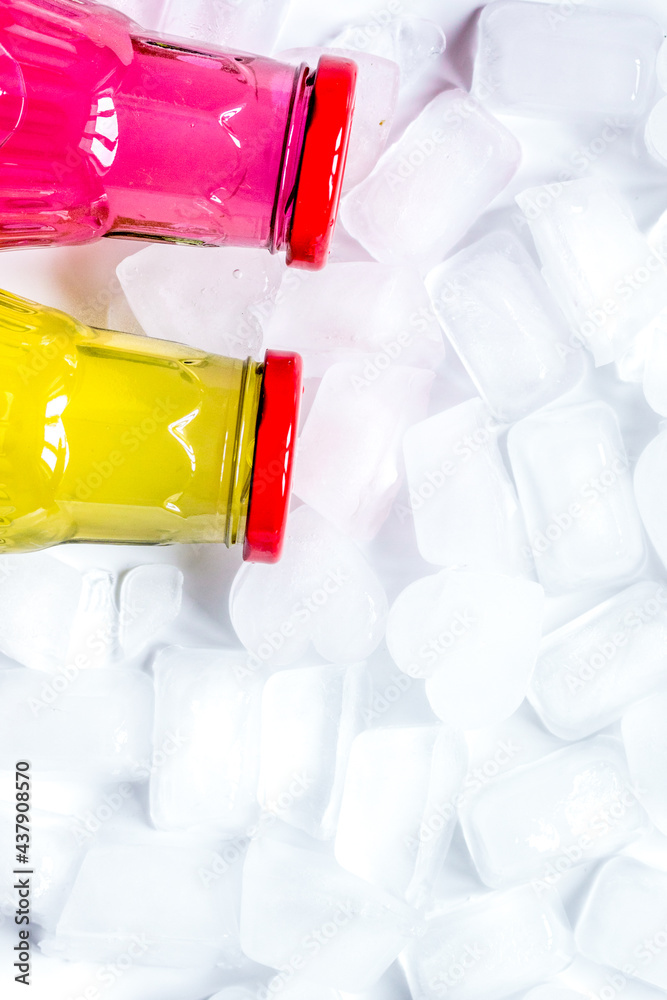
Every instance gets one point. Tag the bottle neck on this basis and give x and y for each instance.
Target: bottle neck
(235, 504)
(295, 135)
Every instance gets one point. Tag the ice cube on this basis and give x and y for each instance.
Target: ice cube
(575, 488)
(504, 324)
(215, 299)
(655, 132)
(375, 106)
(554, 61)
(474, 637)
(649, 476)
(553, 991)
(357, 309)
(53, 859)
(151, 903)
(323, 593)
(348, 463)
(496, 945)
(147, 13)
(95, 628)
(645, 738)
(431, 185)
(420, 769)
(655, 368)
(592, 668)
(303, 914)
(609, 281)
(661, 65)
(540, 821)
(207, 717)
(624, 920)
(245, 25)
(39, 599)
(150, 599)
(310, 717)
(465, 509)
(414, 43)
(78, 722)
(286, 991)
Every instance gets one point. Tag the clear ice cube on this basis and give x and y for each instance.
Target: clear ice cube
(624, 920)
(414, 43)
(148, 902)
(645, 738)
(310, 716)
(207, 718)
(348, 464)
(560, 61)
(540, 821)
(215, 299)
(572, 475)
(302, 913)
(492, 947)
(474, 637)
(608, 280)
(150, 599)
(655, 132)
(464, 505)
(244, 25)
(94, 723)
(655, 368)
(400, 850)
(506, 327)
(323, 595)
(591, 669)
(430, 187)
(357, 309)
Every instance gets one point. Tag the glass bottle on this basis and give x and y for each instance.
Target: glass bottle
(106, 130)
(109, 437)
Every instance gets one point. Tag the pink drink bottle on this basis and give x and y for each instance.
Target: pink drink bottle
(108, 131)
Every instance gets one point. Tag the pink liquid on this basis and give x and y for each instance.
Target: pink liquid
(106, 131)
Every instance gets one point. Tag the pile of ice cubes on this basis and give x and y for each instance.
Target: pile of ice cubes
(425, 756)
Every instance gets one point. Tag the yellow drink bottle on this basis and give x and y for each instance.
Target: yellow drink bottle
(109, 437)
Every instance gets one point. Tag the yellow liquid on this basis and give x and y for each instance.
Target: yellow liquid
(107, 437)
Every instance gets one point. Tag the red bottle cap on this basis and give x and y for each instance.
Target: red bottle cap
(323, 163)
(274, 457)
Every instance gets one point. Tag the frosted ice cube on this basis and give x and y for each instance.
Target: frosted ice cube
(150, 599)
(431, 185)
(609, 281)
(322, 593)
(246, 25)
(148, 901)
(575, 488)
(540, 821)
(474, 637)
(39, 599)
(310, 717)
(95, 628)
(552, 991)
(591, 669)
(215, 299)
(465, 509)
(661, 65)
(412, 42)
(375, 106)
(624, 919)
(631, 367)
(655, 132)
(655, 368)
(420, 770)
(147, 13)
(650, 474)
(499, 944)
(207, 710)
(354, 309)
(645, 738)
(53, 859)
(301, 911)
(78, 722)
(348, 463)
(550, 61)
(503, 322)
